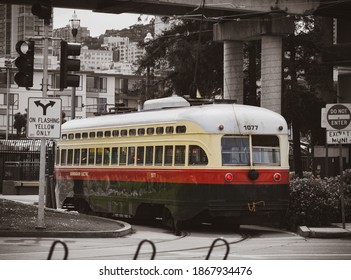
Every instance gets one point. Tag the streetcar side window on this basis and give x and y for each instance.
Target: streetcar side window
(141, 131)
(235, 150)
(123, 156)
(150, 131)
(169, 129)
(131, 155)
(114, 157)
(98, 156)
(63, 157)
(91, 156)
(140, 155)
(149, 155)
(197, 156)
(181, 129)
(159, 130)
(106, 156)
(168, 155)
(70, 157)
(76, 156)
(265, 150)
(84, 156)
(179, 157)
(158, 155)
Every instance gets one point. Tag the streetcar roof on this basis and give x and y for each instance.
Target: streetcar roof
(212, 118)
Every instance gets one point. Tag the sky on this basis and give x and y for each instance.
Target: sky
(97, 23)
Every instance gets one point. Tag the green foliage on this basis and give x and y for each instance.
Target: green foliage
(175, 55)
(20, 122)
(316, 201)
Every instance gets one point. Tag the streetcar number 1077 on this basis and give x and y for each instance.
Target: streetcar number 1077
(251, 127)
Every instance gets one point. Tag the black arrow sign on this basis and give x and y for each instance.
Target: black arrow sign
(38, 103)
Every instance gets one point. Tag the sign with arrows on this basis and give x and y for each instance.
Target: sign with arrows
(44, 118)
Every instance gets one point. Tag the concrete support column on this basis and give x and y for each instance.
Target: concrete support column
(271, 73)
(233, 84)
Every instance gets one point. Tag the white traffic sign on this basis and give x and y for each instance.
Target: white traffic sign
(338, 137)
(44, 118)
(338, 116)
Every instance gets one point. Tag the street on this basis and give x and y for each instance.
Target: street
(250, 243)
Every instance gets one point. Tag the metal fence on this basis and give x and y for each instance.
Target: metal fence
(20, 160)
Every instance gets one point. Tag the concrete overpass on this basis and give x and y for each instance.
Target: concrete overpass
(263, 19)
(215, 8)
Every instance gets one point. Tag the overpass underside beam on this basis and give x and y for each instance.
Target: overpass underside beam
(212, 7)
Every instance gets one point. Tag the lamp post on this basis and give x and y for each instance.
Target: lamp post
(75, 24)
(147, 39)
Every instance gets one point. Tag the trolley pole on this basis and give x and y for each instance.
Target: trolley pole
(42, 181)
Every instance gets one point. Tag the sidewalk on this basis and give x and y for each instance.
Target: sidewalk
(335, 231)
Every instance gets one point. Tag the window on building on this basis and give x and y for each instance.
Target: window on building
(96, 84)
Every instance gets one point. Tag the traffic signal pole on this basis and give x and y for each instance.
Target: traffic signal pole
(42, 180)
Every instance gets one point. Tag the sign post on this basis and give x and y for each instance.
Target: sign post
(338, 127)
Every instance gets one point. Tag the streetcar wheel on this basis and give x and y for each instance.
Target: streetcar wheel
(82, 206)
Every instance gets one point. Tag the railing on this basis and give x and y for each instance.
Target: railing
(21, 171)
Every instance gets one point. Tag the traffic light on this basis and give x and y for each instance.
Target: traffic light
(25, 63)
(69, 64)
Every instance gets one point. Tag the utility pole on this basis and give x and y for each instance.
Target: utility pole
(43, 12)
(8, 65)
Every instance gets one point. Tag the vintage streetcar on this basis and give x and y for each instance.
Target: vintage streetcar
(220, 163)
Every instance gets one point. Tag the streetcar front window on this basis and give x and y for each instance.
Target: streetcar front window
(265, 150)
(235, 150)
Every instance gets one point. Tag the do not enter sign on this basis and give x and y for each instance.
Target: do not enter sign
(338, 117)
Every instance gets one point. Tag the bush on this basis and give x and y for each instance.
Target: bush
(316, 201)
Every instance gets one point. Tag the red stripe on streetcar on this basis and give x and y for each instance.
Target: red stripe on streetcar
(195, 176)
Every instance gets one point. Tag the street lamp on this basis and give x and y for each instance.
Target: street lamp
(75, 24)
(147, 39)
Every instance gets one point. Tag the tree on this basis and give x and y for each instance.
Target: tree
(20, 123)
(305, 79)
(184, 61)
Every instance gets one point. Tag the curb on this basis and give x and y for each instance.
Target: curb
(125, 230)
(333, 232)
